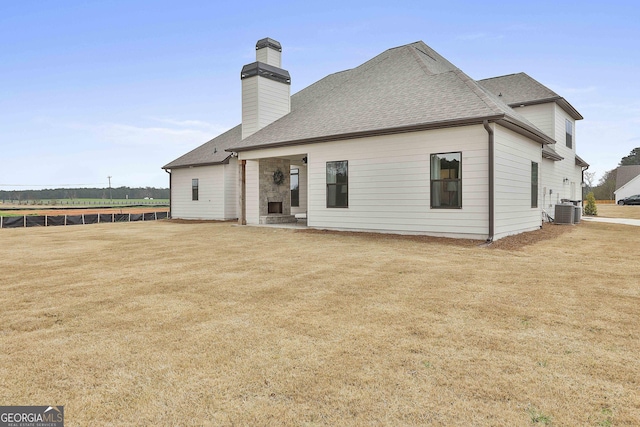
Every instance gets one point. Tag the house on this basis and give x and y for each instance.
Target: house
(627, 181)
(404, 143)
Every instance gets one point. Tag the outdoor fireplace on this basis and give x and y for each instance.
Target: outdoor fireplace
(274, 208)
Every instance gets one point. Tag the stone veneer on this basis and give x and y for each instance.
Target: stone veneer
(270, 192)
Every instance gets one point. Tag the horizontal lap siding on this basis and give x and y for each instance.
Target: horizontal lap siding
(274, 100)
(543, 116)
(389, 183)
(513, 156)
(231, 189)
(210, 203)
(555, 172)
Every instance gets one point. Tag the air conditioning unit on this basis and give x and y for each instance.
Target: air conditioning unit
(577, 215)
(565, 214)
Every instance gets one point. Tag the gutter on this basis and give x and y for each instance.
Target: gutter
(582, 185)
(491, 186)
(169, 172)
(369, 133)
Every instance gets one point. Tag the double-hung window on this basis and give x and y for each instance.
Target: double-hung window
(446, 181)
(338, 184)
(569, 130)
(194, 189)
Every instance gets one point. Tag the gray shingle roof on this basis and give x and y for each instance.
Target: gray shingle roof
(209, 153)
(406, 88)
(625, 174)
(520, 89)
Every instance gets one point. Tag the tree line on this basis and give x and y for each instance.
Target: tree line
(86, 193)
(606, 187)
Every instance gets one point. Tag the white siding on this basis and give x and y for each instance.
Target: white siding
(631, 188)
(249, 106)
(210, 203)
(513, 156)
(554, 185)
(231, 189)
(541, 115)
(302, 177)
(389, 182)
(269, 56)
(263, 102)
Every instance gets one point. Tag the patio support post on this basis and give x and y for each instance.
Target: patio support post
(242, 219)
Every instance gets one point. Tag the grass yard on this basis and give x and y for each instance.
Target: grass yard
(165, 323)
(615, 211)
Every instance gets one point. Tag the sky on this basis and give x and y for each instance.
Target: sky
(92, 89)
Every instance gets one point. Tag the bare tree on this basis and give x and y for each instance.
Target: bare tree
(589, 178)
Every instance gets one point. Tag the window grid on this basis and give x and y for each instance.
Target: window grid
(446, 180)
(338, 184)
(194, 189)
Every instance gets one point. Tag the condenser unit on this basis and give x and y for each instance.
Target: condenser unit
(577, 215)
(565, 214)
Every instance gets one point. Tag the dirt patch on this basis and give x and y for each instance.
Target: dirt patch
(522, 240)
(200, 221)
(390, 237)
(516, 242)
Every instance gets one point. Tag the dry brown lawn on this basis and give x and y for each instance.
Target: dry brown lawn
(165, 323)
(615, 211)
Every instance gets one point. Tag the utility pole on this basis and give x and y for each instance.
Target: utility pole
(110, 198)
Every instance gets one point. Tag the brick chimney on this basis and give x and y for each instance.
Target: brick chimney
(266, 88)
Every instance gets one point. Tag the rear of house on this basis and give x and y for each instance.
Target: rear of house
(404, 143)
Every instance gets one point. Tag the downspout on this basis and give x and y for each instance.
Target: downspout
(169, 172)
(491, 186)
(582, 186)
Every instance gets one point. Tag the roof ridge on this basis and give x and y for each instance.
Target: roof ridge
(479, 91)
(505, 75)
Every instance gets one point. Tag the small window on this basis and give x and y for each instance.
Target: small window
(446, 181)
(338, 184)
(534, 185)
(194, 189)
(569, 128)
(295, 187)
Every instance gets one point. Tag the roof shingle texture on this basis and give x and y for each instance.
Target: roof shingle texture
(411, 85)
(518, 88)
(625, 174)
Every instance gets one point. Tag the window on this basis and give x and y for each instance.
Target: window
(569, 128)
(534, 185)
(446, 182)
(338, 184)
(295, 187)
(194, 189)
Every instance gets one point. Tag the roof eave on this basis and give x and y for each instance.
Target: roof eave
(552, 156)
(563, 103)
(525, 130)
(580, 162)
(191, 165)
(375, 132)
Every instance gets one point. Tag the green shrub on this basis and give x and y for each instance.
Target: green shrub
(591, 208)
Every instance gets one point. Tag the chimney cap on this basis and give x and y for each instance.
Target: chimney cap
(268, 42)
(265, 70)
